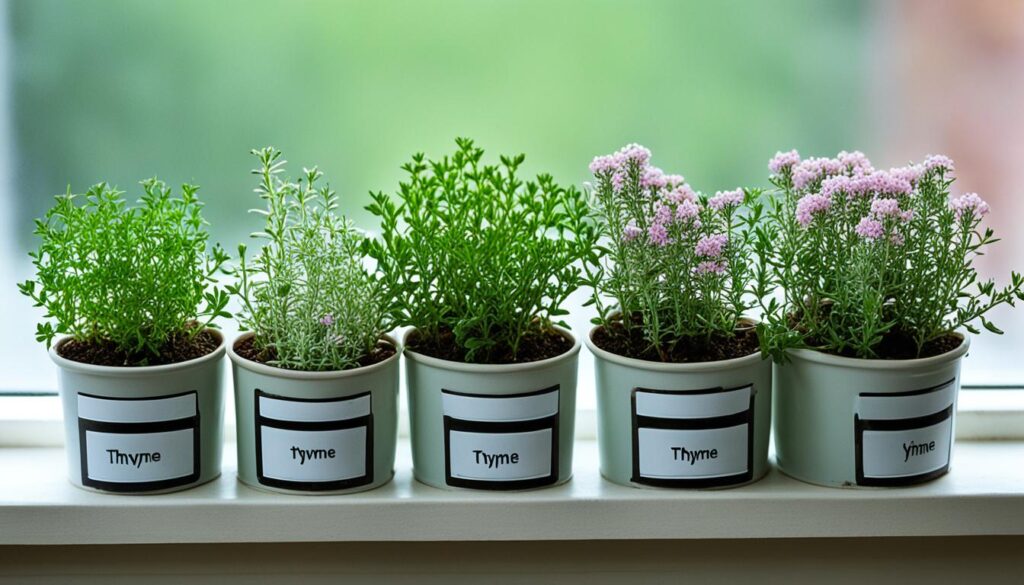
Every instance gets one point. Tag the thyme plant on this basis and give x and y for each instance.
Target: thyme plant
(478, 257)
(876, 263)
(679, 267)
(307, 296)
(135, 277)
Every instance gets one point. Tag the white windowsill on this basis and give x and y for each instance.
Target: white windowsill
(983, 495)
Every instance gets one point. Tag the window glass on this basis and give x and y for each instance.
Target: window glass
(120, 91)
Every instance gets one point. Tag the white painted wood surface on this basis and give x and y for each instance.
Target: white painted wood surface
(984, 495)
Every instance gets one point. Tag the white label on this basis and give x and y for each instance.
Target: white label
(314, 411)
(907, 453)
(501, 456)
(317, 456)
(314, 441)
(693, 453)
(504, 442)
(692, 436)
(143, 457)
(691, 405)
(500, 408)
(893, 442)
(896, 407)
(136, 411)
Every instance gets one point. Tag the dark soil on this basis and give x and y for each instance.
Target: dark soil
(247, 350)
(179, 348)
(631, 343)
(534, 347)
(897, 345)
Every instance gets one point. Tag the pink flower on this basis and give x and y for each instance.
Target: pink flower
(783, 161)
(896, 239)
(631, 232)
(681, 193)
(723, 199)
(327, 320)
(812, 170)
(855, 162)
(969, 203)
(834, 185)
(911, 173)
(938, 161)
(604, 164)
(710, 267)
(880, 182)
(653, 178)
(615, 162)
(885, 208)
(869, 229)
(662, 213)
(634, 153)
(658, 234)
(618, 180)
(688, 210)
(711, 246)
(674, 181)
(811, 205)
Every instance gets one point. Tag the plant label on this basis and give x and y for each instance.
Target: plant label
(314, 444)
(138, 444)
(904, 438)
(693, 438)
(501, 442)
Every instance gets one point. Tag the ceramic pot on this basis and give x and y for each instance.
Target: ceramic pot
(142, 430)
(492, 427)
(688, 425)
(316, 432)
(847, 422)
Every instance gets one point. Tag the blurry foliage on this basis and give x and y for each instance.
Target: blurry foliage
(122, 89)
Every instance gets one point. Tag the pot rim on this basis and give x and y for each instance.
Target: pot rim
(817, 356)
(673, 368)
(130, 371)
(493, 368)
(275, 372)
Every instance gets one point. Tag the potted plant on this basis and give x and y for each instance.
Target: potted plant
(683, 392)
(481, 263)
(880, 293)
(130, 291)
(316, 377)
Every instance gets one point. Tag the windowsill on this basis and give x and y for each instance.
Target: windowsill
(983, 495)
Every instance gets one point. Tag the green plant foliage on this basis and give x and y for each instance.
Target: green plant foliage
(134, 276)
(874, 263)
(679, 262)
(307, 295)
(473, 251)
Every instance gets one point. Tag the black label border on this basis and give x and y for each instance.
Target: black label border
(350, 423)
(192, 422)
(906, 424)
(714, 422)
(536, 424)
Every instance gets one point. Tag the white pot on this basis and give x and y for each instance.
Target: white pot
(492, 427)
(316, 432)
(142, 430)
(847, 422)
(686, 425)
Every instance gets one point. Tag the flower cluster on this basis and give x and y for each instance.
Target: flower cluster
(307, 297)
(678, 263)
(871, 259)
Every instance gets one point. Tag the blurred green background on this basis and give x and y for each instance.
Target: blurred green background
(119, 91)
